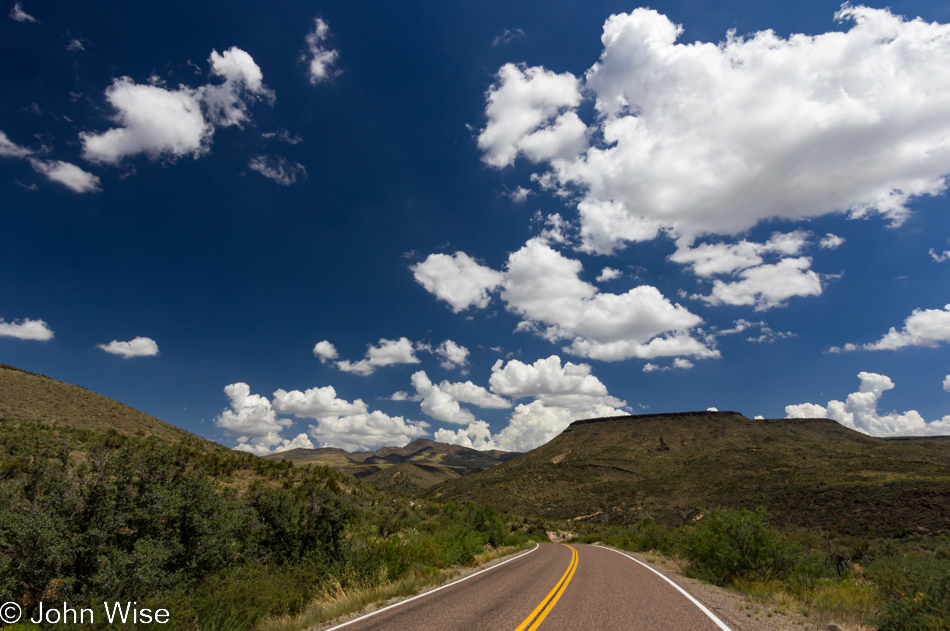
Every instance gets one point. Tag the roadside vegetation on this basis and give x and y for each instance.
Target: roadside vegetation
(222, 540)
(893, 584)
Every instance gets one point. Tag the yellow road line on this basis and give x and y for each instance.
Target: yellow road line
(544, 608)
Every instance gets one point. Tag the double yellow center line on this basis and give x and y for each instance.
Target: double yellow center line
(542, 610)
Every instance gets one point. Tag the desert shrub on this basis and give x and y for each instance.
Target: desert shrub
(733, 544)
(486, 519)
(914, 592)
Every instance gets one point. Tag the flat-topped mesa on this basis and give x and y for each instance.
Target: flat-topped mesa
(663, 415)
(700, 415)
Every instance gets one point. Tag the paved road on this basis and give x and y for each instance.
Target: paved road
(555, 587)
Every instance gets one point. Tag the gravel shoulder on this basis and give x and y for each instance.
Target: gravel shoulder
(739, 611)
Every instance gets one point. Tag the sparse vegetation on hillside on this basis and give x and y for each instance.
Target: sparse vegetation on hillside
(811, 473)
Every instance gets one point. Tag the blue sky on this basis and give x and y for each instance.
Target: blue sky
(328, 224)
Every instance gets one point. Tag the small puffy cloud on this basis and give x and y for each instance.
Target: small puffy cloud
(476, 436)
(938, 257)
(767, 286)
(386, 353)
(946, 383)
(608, 273)
(170, 124)
(439, 404)
(17, 13)
(278, 169)
(26, 330)
(859, 412)
(520, 195)
(705, 138)
(138, 347)
(69, 175)
(830, 242)
(320, 59)
(325, 351)
(927, 327)
(226, 103)
(366, 431)
(570, 385)
(250, 415)
(712, 409)
(453, 355)
(524, 116)
(534, 424)
(457, 279)
(316, 403)
(709, 259)
(160, 123)
(678, 364)
(442, 401)
(351, 426)
(9, 149)
(75, 46)
(272, 443)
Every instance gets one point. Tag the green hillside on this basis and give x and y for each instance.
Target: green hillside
(675, 467)
(27, 396)
(410, 469)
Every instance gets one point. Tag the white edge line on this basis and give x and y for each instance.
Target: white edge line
(702, 607)
(432, 591)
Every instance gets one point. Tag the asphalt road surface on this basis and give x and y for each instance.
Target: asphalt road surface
(554, 587)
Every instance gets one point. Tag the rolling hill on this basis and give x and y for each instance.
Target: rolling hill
(413, 468)
(31, 397)
(674, 467)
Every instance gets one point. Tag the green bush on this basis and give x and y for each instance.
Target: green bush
(914, 592)
(731, 545)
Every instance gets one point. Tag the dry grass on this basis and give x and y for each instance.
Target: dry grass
(26, 396)
(336, 604)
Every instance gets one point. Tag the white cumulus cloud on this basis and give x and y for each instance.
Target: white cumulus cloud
(67, 174)
(250, 415)
(923, 327)
(859, 412)
(26, 330)
(316, 403)
(707, 138)
(325, 351)
(386, 353)
(544, 287)
(568, 385)
(457, 279)
(137, 347)
(170, 124)
(529, 112)
(767, 286)
(453, 355)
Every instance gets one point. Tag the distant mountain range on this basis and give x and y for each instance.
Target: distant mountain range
(675, 467)
(413, 468)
